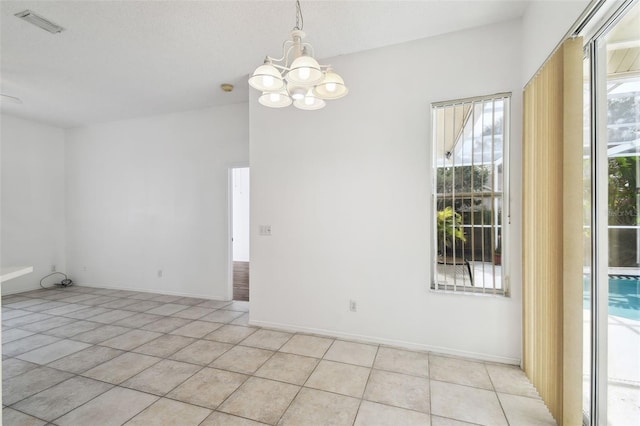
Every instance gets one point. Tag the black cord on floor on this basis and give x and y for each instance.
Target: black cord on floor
(65, 282)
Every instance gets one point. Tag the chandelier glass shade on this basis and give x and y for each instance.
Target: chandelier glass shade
(275, 99)
(304, 71)
(267, 78)
(331, 87)
(296, 78)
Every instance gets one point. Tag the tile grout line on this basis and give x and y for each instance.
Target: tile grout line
(364, 391)
(300, 386)
(84, 403)
(493, 387)
(27, 414)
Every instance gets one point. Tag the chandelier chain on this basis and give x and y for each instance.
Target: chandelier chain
(299, 17)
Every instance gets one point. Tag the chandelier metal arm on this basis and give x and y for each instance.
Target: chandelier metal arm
(313, 53)
(285, 68)
(280, 67)
(286, 52)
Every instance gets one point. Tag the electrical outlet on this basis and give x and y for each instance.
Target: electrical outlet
(53, 268)
(265, 230)
(159, 273)
(353, 307)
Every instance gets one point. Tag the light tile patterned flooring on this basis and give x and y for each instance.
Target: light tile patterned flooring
(88, 356)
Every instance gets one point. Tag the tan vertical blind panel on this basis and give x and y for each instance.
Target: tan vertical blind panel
(552, 233)
(573, 233)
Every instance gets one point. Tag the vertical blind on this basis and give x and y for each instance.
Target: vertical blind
(552, 232)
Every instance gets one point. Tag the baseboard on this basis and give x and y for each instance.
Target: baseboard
(146, 290)
(388, 342)
(20, 290)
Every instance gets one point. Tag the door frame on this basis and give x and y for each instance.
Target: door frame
(594, 29)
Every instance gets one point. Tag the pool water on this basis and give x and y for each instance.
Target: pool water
(624, 296)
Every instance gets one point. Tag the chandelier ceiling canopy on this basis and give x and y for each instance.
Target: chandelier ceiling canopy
(296, 78)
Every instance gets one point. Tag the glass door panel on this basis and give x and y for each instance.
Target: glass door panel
(623, 187)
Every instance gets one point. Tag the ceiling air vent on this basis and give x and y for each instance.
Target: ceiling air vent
(9, 98)
(39, 21)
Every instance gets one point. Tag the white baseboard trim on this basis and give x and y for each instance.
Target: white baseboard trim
(146, 290)
(387, 342)
(20, 290)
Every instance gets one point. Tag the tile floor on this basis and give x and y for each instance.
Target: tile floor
(88, 356)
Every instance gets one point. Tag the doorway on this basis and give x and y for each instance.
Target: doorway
(240, 241)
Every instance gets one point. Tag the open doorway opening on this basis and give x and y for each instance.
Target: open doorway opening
(240, 232)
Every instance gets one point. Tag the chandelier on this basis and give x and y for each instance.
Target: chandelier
(296, 78)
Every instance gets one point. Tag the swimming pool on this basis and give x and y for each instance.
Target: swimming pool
(624, 296)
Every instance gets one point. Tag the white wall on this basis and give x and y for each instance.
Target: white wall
(33, 206)
(151, 194)
(347, 192)
(241, 203)
(544, 24)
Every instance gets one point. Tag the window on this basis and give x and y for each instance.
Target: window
(470, 146)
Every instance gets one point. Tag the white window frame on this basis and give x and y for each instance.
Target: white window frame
(471, 266)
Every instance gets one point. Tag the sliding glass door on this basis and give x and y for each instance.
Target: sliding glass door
(611, 221)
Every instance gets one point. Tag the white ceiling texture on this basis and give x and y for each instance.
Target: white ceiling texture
(124, 59)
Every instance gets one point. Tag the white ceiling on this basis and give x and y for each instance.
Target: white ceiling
(125, 59)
